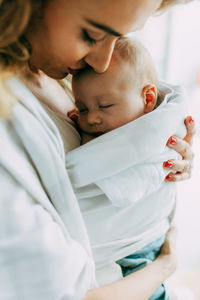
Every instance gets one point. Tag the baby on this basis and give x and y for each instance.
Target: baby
(125, 92)
(127, 214)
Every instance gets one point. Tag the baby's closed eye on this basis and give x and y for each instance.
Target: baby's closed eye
(105, 106)
(83, 110)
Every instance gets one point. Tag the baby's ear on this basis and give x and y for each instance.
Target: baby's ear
(149, 95)
(73, 114)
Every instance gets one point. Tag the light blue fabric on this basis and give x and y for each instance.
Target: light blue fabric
(140, 259)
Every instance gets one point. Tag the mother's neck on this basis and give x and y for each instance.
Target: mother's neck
(48, 91)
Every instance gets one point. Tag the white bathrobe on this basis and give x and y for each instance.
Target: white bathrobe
(119, 180)
(44, 248)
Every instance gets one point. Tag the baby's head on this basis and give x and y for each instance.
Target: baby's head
(126, 91)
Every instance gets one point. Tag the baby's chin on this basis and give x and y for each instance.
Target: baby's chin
(94, 133)
(98, 133)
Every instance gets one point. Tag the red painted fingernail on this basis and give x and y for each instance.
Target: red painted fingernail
(190, 120)
(168, 177)
(172, 140)
(168, 164)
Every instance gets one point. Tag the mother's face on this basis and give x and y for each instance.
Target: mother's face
(73, 33)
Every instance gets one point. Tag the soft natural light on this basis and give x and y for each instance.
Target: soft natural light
(174, 42)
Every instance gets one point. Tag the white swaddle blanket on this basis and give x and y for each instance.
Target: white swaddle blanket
(118, 179)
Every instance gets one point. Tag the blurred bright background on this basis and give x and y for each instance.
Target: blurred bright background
(173, 39)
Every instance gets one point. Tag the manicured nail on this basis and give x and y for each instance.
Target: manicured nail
(190, 120)
(168, 164)
(168, 177)
(172, 140)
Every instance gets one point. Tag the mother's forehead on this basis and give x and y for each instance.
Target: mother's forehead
(122, 16)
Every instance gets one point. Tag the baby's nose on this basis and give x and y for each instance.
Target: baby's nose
(93, 118)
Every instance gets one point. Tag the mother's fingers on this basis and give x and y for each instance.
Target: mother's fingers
(190, 126)
(173, 177)
(181, 168)
(177, 165)
(181, 146)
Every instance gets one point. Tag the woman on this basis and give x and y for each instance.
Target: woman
(44, 248)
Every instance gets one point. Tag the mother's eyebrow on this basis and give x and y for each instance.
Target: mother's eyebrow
(105, 28)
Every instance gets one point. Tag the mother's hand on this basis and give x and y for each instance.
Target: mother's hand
(183, 168)
(168, 252)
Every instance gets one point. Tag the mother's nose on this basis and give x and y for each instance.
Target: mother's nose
(100, 56)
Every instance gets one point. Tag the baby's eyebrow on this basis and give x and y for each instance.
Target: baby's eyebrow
(105, 28)
(105, 97)
(79, 102)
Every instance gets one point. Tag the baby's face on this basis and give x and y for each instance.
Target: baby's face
(107, 101)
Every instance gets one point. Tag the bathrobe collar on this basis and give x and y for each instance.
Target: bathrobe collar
(34, 127)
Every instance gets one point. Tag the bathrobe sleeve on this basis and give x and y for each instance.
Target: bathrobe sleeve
(36, 260)
(44, 248)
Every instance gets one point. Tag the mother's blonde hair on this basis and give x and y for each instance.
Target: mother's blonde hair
(15, 17)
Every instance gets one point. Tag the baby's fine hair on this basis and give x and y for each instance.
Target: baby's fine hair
(168, 3)
(131, 51)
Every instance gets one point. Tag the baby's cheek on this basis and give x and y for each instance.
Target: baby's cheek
(81, 121)
(119, 122)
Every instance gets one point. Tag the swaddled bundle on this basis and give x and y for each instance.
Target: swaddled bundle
(132, 206)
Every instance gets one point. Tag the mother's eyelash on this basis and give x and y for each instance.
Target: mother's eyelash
(88, 38)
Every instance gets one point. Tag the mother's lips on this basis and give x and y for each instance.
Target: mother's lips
(73, 71)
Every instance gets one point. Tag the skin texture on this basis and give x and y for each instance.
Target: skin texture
(113, 98)
(63, 44)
